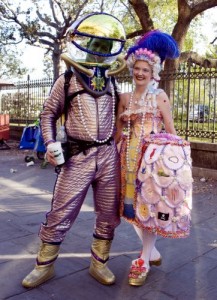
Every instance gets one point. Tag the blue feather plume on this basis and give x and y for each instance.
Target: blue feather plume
(156, 41)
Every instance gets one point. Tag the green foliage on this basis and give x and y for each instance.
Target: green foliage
(212, 46)
(194, 35)
(48, 66)
(44, 23)
(10, 64)
(22, 106)
(164, 14)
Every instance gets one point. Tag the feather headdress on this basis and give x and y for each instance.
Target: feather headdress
(154, 47)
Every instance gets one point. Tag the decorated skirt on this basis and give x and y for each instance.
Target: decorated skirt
(157, 196)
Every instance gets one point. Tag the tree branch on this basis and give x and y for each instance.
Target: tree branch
(213, 41)
(135, 34)
(53, 11)
(198, 59)
(142, 11)
(46, 20)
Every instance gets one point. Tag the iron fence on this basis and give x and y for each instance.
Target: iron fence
(193, 96)
(192, 92)
(24, 101)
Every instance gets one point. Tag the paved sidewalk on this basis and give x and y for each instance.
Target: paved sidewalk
(188, 271)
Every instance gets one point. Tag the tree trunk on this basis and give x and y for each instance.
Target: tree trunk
(57, 68)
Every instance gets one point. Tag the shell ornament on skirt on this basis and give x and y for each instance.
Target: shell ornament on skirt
(164, 186)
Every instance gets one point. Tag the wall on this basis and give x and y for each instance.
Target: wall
(204, 155)
(204, 159)
(15, 133)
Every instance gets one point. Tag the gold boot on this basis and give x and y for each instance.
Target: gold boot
(98, 266)
(138, 273)
(44, 269)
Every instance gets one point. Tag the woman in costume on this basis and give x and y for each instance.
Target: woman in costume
(155, 165)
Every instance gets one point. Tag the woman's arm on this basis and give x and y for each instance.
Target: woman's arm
(165, 108)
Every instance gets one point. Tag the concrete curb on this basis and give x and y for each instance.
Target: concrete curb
(203, 172)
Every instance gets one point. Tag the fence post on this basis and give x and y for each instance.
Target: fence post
(188, 99)
(28, 100)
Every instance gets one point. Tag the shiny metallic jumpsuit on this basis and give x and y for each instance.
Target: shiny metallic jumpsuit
(99, 167)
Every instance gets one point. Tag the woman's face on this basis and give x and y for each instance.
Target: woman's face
(142, 72)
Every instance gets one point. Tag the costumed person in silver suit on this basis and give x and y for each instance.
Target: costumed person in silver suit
(156, 176)
(89, 108)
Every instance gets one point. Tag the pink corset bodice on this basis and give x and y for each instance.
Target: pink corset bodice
(153, 120)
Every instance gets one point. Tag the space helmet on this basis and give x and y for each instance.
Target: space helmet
(96, 39)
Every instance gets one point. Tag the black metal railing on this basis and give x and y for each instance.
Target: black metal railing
(24, 101)
(192, 91)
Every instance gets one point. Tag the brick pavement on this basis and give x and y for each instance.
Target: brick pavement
(188, 271)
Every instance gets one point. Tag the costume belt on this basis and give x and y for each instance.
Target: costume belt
(75, 146)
